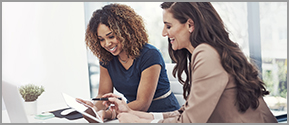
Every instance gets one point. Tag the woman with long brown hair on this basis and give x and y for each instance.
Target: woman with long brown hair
(221, 84)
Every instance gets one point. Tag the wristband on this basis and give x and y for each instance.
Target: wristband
(158, 116)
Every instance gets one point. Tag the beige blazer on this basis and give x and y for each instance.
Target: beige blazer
(212, 97)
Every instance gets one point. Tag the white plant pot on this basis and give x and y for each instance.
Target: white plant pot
(31, 107)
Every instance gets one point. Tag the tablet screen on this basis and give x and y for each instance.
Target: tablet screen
(71, 102)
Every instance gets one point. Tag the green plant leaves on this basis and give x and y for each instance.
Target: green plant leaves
(30, 92)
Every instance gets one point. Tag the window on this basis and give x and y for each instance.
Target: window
(273, 32)
(234, 17)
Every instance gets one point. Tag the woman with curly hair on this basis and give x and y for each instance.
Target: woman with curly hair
(136, 69)
(221, 85)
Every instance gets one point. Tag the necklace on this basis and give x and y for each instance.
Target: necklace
(123, 61)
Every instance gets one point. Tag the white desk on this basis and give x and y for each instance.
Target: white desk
(31, 119)
(5, 119)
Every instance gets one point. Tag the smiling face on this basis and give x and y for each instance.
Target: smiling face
(108, 40)
(179, 34)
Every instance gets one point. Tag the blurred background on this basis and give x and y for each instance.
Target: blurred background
(43, 43)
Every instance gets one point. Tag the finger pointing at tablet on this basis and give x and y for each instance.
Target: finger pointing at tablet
(120, 105)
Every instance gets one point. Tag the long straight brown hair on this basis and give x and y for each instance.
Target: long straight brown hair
(209, 28)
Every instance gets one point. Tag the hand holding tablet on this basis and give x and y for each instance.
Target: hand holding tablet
(81, 107)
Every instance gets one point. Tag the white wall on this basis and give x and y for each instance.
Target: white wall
(43, 43)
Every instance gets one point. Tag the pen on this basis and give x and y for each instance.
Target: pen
(102, 99)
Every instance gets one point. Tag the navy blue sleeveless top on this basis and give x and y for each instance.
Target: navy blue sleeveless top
(127, 81)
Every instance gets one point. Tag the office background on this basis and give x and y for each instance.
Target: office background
(43, 43)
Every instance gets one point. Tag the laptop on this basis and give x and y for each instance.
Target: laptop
(13, 103)
(72, 103)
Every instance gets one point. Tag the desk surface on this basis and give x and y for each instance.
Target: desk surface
(5, 119)
(31, 119)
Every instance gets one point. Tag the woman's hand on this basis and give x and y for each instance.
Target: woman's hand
(119, 105)
(131, 118)
(89, 110)
(88, 104)
(91, 107)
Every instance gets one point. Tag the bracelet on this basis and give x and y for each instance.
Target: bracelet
(158, 116)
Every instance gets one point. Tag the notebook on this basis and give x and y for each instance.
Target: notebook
(71, 102)
(13, 103)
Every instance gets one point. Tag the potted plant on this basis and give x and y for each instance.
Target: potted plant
(30, 93)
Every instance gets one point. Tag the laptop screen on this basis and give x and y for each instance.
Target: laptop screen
(13, 103)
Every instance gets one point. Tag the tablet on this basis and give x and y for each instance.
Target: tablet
(72, 103)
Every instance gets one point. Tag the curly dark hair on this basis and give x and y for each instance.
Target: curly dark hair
(209, 28)
(123, 21)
